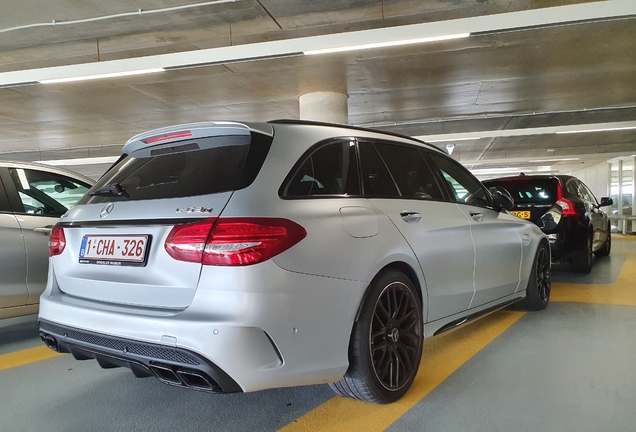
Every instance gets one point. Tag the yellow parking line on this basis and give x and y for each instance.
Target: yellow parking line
(23, 357)
(621, 292)
(442, 356)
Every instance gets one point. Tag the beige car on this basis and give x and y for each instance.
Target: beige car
(32, 199)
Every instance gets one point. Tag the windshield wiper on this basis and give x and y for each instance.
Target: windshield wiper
(114, 189)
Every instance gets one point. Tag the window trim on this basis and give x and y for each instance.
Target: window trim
(5, 204)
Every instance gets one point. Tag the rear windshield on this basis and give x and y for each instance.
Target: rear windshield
(189, 168)
(529, 191)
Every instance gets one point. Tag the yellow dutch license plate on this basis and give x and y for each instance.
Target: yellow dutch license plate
(521, 214)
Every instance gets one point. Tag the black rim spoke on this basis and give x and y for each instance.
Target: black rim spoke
(380, 310)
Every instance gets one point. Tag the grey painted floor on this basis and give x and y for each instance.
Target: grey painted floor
(571, 367)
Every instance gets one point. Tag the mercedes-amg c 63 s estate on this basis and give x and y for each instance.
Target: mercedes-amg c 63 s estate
(231, 257)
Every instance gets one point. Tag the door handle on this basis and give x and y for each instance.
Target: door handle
(479, 217)
(410, 217)
(44, 230)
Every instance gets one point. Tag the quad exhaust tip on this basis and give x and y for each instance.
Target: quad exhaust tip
(168, 374)
(195, 380)
(184, 377)
(50, 342)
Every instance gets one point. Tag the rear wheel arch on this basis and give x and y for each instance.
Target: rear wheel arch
(539, 281)
(402, 267)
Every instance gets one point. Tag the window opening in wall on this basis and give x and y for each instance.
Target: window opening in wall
(621, 180)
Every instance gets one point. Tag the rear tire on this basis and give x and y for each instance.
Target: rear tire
(386, 342)
(582, 261)
(539, 283)
(607, 246)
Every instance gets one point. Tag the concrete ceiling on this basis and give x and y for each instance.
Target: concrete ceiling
(510, 88)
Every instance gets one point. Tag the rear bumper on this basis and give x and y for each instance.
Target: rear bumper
(567, 239)
(172, 366)
(257, 328)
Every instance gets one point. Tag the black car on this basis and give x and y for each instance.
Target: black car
(566, 210)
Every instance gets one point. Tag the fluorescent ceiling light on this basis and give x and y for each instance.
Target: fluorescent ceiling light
(487, 171)
(80, 161)
(554, 160)
(543, 130)
(386, 44)
(453, 139)
(104, 75)
(597, 130)
(386, 36)
(412, 33)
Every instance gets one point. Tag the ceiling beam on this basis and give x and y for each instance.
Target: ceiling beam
(560, 15)
(567, 129)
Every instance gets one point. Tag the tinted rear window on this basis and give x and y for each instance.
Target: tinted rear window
(528, 191)
(207, 166)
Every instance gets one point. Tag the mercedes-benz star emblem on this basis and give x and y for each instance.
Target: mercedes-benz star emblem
(106, 210)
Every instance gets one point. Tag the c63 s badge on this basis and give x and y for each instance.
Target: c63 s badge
(194, 210)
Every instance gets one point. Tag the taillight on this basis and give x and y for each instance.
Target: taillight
(187, 242)
(57, 241)
(233, 241)
(567, 208)
(172, 136)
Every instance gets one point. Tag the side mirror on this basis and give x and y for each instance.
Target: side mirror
(606, 201)
(502, 199)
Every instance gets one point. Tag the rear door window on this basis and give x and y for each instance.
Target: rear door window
(376, 179)
(460, 184)
(573, 189)
(587, 193)
(45, 193)
(412, 175)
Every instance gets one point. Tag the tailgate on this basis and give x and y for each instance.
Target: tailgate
(125, 261)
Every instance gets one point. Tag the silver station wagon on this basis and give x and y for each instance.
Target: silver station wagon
(229, 257)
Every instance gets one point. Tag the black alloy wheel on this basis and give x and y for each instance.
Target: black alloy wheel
(539, 281)
(542, 274)
(386, 341)
(607, 246)
(395, 337)
(582, 260)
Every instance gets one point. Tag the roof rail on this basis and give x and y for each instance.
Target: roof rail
(346, 126)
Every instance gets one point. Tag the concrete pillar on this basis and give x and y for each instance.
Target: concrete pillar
(325, 107)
